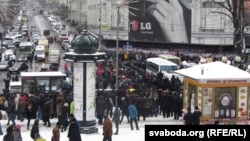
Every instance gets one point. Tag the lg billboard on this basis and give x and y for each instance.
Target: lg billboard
(181, 21)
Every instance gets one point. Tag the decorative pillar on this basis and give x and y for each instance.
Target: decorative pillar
(84, 58)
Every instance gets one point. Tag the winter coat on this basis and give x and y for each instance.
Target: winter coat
(64, 115)
(21, 106)
(74, 133)
(17, 135)
(100, 106)
(71, 110)
(46, 111)
(30, 112)
(34, 130)
(56, 134)
(124, 107)
(107, 128)
(2, 99)
(148, 103)
(9, 136)
(117, 114)
(132, 111)
(51, 106)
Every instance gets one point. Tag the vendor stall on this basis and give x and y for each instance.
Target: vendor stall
(221, 91)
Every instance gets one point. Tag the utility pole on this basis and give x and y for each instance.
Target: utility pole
(117, 51)
(100, 25)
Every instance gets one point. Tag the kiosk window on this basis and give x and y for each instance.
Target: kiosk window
(42, 84)
(28, 86)
(56, 85)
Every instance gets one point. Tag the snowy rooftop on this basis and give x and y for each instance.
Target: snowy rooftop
(214, 70)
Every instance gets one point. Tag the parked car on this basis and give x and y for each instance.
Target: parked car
(4, 65)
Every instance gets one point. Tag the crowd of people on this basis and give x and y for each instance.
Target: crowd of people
(139, 96)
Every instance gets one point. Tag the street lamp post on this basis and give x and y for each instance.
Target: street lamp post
(117, 50)
(100, 24)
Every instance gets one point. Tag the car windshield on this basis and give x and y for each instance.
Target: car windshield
(7, 39)
(66, 42)
(53, 56)
(17, 65)
(39, 52)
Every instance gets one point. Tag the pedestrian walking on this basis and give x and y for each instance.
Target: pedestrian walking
(100, 109)
(116, 118)
(56, 132)
(132, 116)
(107, 129)
(64, 117)
(124, 109)
(46, 112)
(30, 113)
(73, 132)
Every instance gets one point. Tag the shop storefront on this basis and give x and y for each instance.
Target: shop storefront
(221, 91)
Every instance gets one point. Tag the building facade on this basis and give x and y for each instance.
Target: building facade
(183, 21)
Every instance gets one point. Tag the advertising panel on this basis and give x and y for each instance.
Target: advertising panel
(78, 91)
(160, 21)
(90, 92)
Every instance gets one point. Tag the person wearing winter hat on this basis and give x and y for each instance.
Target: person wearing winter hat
(116, 118)
(17, 133)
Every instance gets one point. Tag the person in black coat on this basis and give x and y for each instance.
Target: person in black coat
(30, 113)
(196, 116)
(9, 136)
(46, 113)
(73, 132)
(35, 129)
(100, 109)
(64, 117)
(140, 102)
(124, 109)
(176, 106)
(188, 117)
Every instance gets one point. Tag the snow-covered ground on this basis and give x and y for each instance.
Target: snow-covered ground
(125, 133)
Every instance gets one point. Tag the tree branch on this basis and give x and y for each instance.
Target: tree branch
(222, 13)
(223, 6)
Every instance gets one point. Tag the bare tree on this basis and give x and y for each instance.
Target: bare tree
(235, 12)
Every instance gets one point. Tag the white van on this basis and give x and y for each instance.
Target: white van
(40, 52)
(15, 87)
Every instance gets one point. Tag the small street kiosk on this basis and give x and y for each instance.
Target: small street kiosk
(221, 91)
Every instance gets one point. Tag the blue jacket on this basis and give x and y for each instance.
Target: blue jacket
(132, 111)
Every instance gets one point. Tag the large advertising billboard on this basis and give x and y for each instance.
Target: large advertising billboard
(185, 21)
(160, 21)
(247, 21)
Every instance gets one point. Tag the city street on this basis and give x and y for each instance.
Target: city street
(42, 24)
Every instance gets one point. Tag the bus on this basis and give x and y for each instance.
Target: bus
(35, 82)
(172, 58)
(157, 64)
(27, 48)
